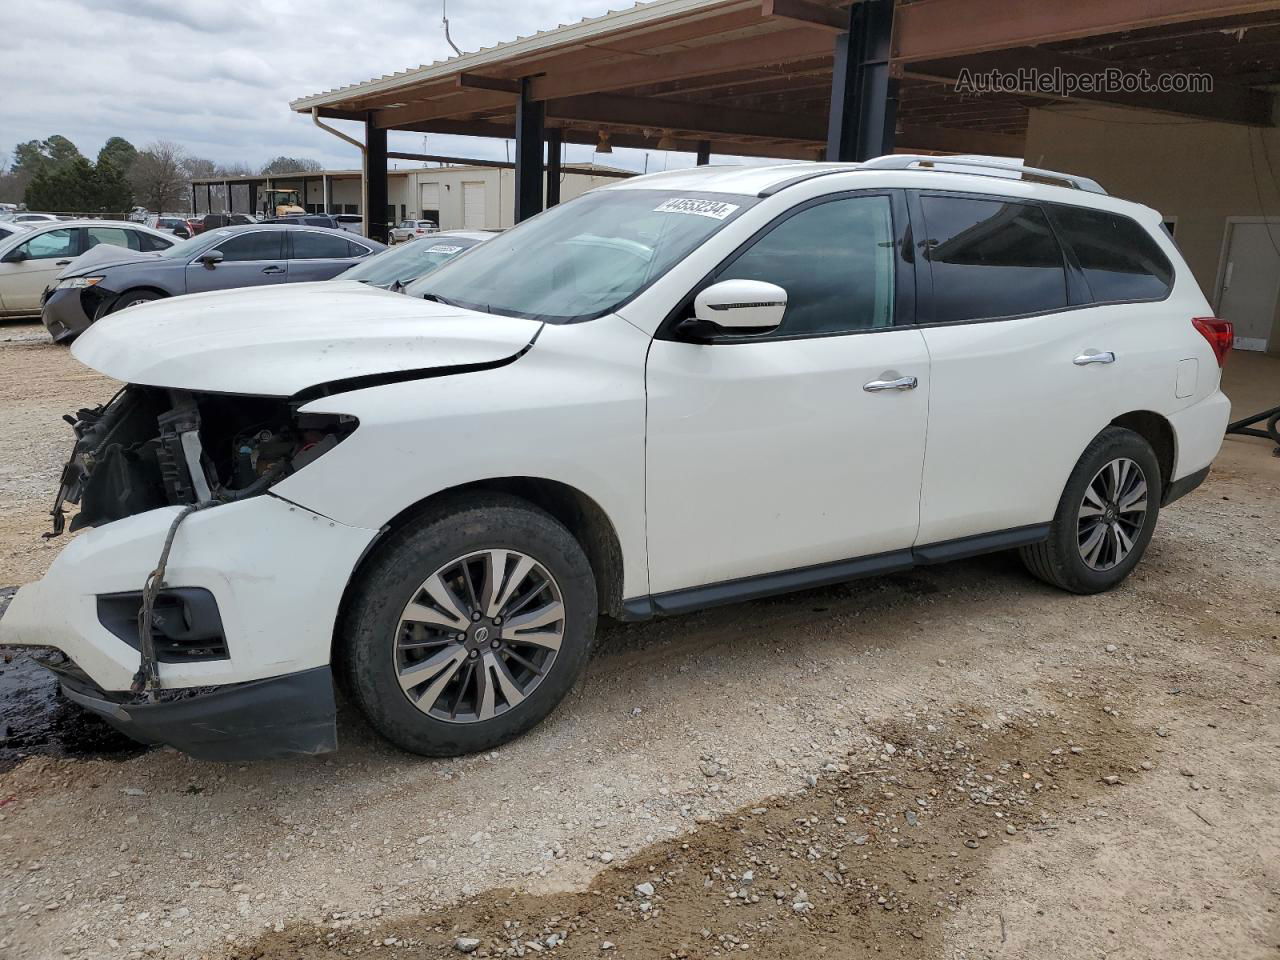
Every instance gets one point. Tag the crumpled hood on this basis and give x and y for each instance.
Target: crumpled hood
(101, 257)
(276, 341)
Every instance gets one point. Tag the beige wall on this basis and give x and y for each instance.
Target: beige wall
(1197, 171)
(499, 192)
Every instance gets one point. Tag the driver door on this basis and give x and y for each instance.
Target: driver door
(775, 452)
(248, 260)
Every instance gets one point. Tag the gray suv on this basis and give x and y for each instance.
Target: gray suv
(107, 279)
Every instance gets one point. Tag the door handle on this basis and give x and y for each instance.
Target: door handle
(1087, 358)
(902, 383)
(61, 263)
(272, 270)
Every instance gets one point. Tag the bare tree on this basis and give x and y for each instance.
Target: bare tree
(158, 175)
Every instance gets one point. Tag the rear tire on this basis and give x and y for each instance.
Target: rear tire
(468, 626)
(1105, 518)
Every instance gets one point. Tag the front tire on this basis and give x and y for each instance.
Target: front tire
(468, 626)
(1105, 518)
(131, 298)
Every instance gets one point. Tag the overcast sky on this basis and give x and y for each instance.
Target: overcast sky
(218, 77)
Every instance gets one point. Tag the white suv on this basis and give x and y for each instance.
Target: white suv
(681, 390)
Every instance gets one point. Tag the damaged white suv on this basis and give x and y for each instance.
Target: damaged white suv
(681, 390)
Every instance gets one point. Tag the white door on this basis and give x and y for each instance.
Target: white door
(473, 205)
(429, 202)
(29, 267)
(1019, 384)
(765, 454)
(1251, 282)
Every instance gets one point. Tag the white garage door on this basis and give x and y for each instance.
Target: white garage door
(473, 205)
(430, 200)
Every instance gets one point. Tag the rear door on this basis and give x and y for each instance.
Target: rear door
(248, 260)
(39, 260)
(318, 254)
(1028, 362)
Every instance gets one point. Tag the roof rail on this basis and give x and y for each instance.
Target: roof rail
(980, 168)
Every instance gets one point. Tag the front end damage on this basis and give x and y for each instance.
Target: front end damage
(199, 609)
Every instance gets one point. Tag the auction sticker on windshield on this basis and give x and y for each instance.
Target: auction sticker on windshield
(715, 209)
(443, 248)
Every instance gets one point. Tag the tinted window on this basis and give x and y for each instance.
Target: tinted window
(318, 222)
(835, 261)
(1119, 259)
(260, 245)
(151, 243)
(308, 245)
(357, 250)
(991, 258)
(52, 243)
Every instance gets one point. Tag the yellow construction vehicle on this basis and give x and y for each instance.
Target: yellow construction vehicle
(281, 203)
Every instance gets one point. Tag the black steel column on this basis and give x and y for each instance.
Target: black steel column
(253, 197)
(194, 209)
(529, 139)
(704, 153)
(208, 197)
(553, 168)
(864, 98)
(375, 181)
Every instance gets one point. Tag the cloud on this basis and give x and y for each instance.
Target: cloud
(219, 80)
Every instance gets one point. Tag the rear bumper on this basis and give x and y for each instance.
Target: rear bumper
(260, 720)
(1199, 431)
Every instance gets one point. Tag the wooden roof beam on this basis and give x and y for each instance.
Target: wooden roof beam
(686, 116)
(937, 29)
(780, 47)
(1225, 102)
(807, 11)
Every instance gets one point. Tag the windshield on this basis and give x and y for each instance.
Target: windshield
(409, 261)
(584, 258)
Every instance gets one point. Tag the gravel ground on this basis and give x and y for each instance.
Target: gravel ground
(958, 762)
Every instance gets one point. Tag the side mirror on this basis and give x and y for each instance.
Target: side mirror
(211, 259)
(737, 306)
(16, 255)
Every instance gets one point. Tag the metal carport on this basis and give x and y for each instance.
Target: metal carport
(807, 79)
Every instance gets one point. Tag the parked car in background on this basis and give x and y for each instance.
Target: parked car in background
(395, 269)
(31, 258)
(260, 254)
(9, 227)
(412, 229)
(214, 221)
(306, 219)
(26, 216)
(178, 226)
(351, 222)
(196, 225)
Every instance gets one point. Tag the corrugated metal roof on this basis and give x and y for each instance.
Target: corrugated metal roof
(585, 30)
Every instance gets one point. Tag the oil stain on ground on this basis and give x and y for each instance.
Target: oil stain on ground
(867, 862)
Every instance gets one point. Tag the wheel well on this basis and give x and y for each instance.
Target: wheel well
(583, 517)
(141, 289)
(1158, 432)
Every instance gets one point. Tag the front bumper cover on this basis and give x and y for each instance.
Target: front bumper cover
(259, 720)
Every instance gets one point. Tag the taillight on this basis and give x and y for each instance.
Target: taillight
(1219, 333)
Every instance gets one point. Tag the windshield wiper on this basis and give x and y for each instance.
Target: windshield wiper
(439, 299)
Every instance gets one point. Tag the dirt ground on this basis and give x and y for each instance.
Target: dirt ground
(951, 764)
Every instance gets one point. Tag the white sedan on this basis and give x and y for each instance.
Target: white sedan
(32, 257)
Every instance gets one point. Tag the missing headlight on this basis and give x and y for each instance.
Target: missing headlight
(150, 447)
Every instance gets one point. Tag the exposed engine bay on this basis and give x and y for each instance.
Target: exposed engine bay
(152, 447)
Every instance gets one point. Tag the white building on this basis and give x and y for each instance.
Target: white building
(456, 197)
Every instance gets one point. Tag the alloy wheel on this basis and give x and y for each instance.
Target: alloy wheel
(1111, 514)
(479, 635)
